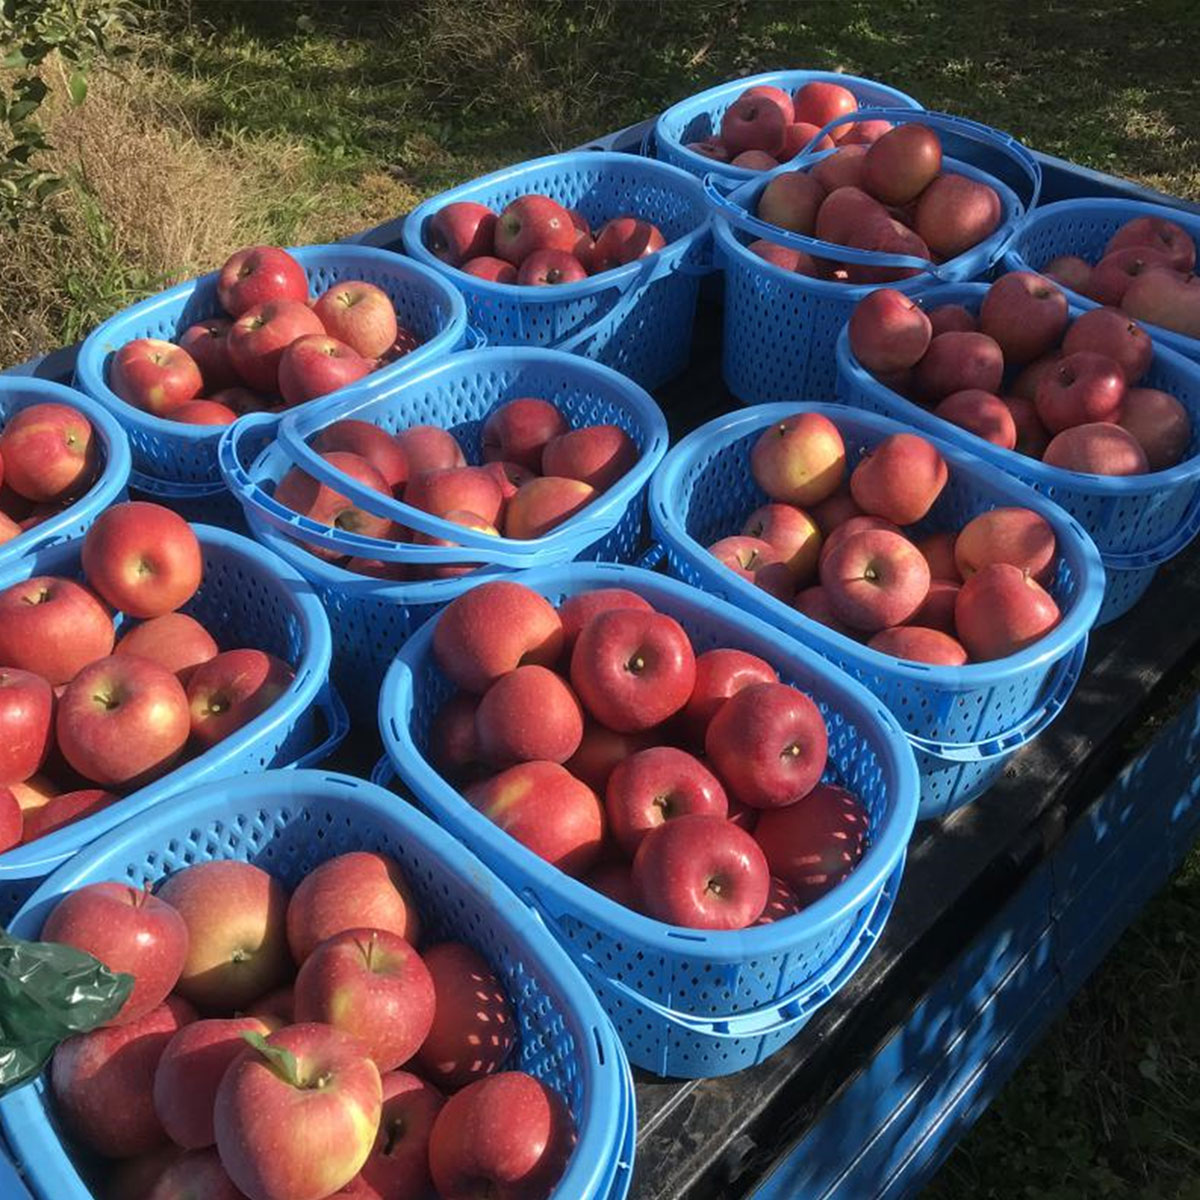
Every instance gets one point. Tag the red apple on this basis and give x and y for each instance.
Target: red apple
(131, 932)
(277, 1006)
(49, 452)
(820, 102)
(207, 342)
(428, 448)
(26, 722)
(701, 872)
(461, 489)
(938, 551)
(866, 133)
(545, 808)
(1032, 436)
(901, 164)
(812, 846)
(937, 612)
(11, 819)
(398, 1165)
(495, 270)
(656, 785)
(900, 479)
(1000, 610)
(122, 721)
(781, 902)
(842, 168)
(710, 148)
(461, 231)
(792, 533)
(102, 1081)
(754, 160)
(1114, 274)
(261, 335)
(53, 628)
(768, 744)
(203, 412)
(193, 1175)
(63, 810)
(473, 1027)
(317, 364)
(814, 603)
(260, 275)
(785, 258)
(154, 375)
(777, 96)
(507, 1136)
(351, 891)
(598, 455)
(801, 460)
(799, 135)
(633, 670)
(952, 318)
(1110, 332)
(373, 985)
(175, 641)
(296, 1115)
(231, 690)
(1165, 298)
(754, 123)
(615, 880)
(854, 525)
(300, 492)
(242, 400)
(519, 430)
(190, 1071)
(624, 240)
(1026, 384)
(1083, 388)
(509, 477)
(466, 520)
(1012, 535)
(1100, 448)
(720, 674)
(543, 504)
(834, 510)
(453, 742)
(889, 331)
(955, 213)
(980, 413)
(142, 558)
(1160, 234)
(548, 268)
(1026, 315)
(600, 750)
(360, 315)
(875, 579)
(576, 611)
(237, 945)
(530, 223)
(918, 644)
(957, 361)
(1160, 424)
(9, 529)
(1070, 271)
(758, 562)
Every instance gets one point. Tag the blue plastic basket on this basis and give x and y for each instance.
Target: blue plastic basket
(636, 318)
(1083, 227)
(12, 1186)
(289, 822)
(964, 723)
(781, 327)
(372, 618)
(197, 503)
(686, 1002)
(20, 391)
(174, 453)
(1137, 521)
(699, 116)
(247, 597)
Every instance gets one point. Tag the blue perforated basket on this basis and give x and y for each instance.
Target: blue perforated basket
(781, 327)
(289, 822)
(1137, 521)
(21, 391)
(12, 1186)
(247, 598)
(371, 618)
(699, 116)
(636, 318)
(1083, 227)
(964, 723)
(180, 456)
(688, 1002)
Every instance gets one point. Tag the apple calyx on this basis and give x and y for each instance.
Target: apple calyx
(395, 1132)
(715, 886)
(636, 665)
(282, 1063)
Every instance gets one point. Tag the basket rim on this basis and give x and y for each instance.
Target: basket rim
(703, 102)
(1079, 550)
(598, 1049)
(715, 947)
(668, 257)
(104, 490)
(91, 375)
(311, 672)
(1186, 471)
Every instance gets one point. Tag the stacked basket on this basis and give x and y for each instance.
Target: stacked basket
(636, 318)
(781, 327)
(964, 723)
(688, 1002)
(176, 463)
(1137, 521)
(372, 617)
(288, 823)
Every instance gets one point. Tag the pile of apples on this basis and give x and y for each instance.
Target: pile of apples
(85, 717)
(48, 458)
(1146, 270)
(275, 346)
(538, 472)
(535, 241)
(1024, 376)
(765, 126)
(891, 196)
(685, 786)
(840, 554)
(283, 1047)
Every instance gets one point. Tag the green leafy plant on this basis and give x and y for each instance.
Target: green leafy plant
(31, 31)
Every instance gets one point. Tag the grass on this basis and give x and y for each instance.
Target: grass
(306, 122)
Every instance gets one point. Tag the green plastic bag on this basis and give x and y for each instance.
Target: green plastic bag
(49, 992)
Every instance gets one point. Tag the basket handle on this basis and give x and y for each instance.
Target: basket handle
(1066, 675)
(474, 547)
(333, 712)
(1178, 539)
(734, 206)
(630, 291)
(786, 1010)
